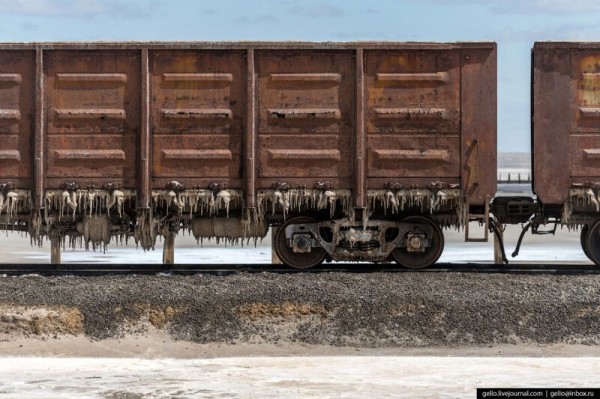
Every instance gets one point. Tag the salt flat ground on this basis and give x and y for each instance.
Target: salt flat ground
(287, 377)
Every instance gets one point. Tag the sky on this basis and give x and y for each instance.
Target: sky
(514, 24)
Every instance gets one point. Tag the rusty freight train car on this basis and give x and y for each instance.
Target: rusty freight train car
(356, 151)
(565, 142)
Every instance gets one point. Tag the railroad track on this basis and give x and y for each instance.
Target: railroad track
(228, 269)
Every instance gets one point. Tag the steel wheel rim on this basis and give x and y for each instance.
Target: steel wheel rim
(418, 260)
(593, 243)
(583, 238)
(298, 261)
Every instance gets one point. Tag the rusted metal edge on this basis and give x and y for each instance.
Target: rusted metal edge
(197, 113)
(92, 77)
(360, 200)
(306, 77)
(402, 113)
(197, 77)
(244, 45)
(249, 140)
(299, 113)
(81, 113)
(411, 155)
(14, 78)
(589, 112)
(305, 154)
(10, 155)
(591, 153)
(198, 154)
(144, 156)
(566, 45)
(438, 77)
(114, 155)
(38, 159)
(10, 114)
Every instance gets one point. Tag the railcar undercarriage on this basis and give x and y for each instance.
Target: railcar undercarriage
(414, 242)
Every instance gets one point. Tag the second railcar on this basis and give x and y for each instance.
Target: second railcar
(565, 116)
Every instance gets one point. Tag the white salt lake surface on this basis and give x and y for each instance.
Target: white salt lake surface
(288, 377)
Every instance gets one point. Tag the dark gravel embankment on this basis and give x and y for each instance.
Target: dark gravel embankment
(367, 310)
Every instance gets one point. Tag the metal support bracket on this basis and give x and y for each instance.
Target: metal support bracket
(478, 217)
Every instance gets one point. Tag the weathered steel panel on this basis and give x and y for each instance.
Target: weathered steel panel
(248, 115)
(552, 104)
(585, 114)
(305, 116)
(585, 156)
(92, 116)
(17, 107)
(402, 158)
(360, 141)
(249, 141)
(198, 114)
(294, 156)
(412, 92)
(108, 159)
(478, 124)
(192, 158)
(412, 117)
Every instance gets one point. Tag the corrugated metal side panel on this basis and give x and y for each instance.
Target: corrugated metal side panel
(93, 114)
(17, 107)
(552, 99)
(585, 116)
(413, 117)
(253, 117)
(198, 111)
(305, 117)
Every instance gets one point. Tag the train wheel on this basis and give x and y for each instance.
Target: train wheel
(297, 260)
(593, 243)
(417, 259)
(583, 238)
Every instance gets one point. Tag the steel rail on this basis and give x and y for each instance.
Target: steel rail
(229, 269)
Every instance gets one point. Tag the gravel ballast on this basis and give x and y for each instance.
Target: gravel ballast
(363, 310)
